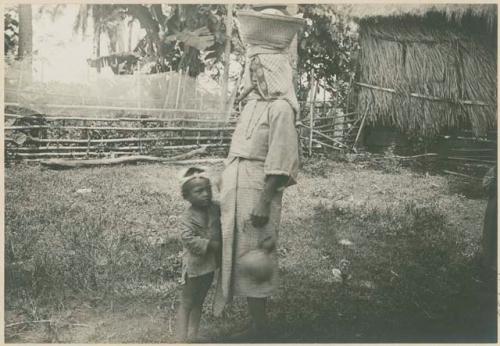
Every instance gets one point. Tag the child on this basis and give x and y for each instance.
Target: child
(201, 240)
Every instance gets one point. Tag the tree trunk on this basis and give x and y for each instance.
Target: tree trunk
(130, 33)
(97, 45)
(25, 49)
(25, 31)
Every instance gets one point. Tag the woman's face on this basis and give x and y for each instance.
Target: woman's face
(199, 192)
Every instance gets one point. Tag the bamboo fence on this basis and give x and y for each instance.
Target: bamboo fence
(36, 136)
(44, 136)
(324, 127)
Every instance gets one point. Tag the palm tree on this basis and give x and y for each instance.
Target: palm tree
(104, 18)
(25, 31)
(195, 27)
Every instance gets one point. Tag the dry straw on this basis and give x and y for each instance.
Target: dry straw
(423, 70)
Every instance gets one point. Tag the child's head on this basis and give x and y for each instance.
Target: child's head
(195, 187)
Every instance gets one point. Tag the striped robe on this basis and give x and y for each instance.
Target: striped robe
(265, 142)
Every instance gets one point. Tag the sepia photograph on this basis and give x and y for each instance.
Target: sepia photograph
(250, 173)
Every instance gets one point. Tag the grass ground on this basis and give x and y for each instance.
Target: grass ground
(92, 256)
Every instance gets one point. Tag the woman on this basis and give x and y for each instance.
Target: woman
(263, 160)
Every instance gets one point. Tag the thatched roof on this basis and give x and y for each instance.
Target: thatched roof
(424, 74)
(453, 12)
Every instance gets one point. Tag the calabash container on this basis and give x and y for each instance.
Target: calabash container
(257, 265)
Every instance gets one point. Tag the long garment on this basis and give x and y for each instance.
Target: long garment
(265, 142)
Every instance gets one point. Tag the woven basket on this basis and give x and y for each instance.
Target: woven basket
(272, 30)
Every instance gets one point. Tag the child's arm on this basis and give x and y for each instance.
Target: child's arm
(193, 242)
(215, 228)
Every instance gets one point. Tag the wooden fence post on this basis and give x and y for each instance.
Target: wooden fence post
(139, 88)
(177, 95)
(360, 128)
(167, 94)
(184, 81)
(311, 112)
(227, 56)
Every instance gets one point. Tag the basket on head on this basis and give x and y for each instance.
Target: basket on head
(270, 30)
(266, 5)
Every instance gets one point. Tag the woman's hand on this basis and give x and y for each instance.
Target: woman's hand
(260, 214)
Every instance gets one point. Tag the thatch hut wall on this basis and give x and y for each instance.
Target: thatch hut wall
(426, 74)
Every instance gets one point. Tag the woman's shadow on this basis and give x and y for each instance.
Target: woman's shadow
(373, 302)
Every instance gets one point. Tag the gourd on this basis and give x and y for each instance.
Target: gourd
(258, 264)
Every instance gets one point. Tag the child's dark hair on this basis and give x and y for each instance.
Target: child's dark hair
(185, 188)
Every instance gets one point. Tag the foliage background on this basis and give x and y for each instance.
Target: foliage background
(182, 37)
